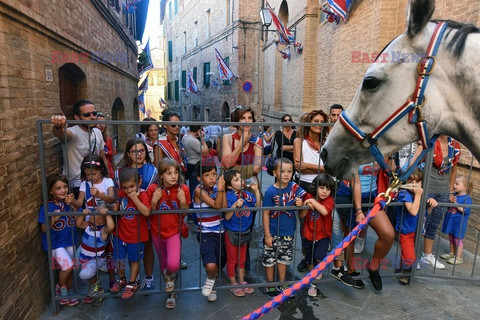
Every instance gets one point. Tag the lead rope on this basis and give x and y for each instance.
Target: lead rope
(380, 202)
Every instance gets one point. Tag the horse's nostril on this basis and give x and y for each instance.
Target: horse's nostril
(323, 155)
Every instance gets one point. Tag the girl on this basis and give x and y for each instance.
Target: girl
(240, 150)
(96, 188)
(108, 148)
(136, 156)
(455, 225)
(237, 226)
(62, 234)
(169, 145)
(318, 223)
(169, 194)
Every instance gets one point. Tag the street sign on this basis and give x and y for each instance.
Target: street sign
(247, 86)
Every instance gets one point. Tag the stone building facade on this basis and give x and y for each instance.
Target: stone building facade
(53, 53)
(193, 29)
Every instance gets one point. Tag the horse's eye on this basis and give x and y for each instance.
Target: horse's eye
(370, 83)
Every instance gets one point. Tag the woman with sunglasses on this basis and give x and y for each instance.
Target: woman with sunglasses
(284, 139)
(241, 150)
(168, 144)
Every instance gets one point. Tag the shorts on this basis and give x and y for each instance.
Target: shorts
(280, 252)
(212, 248)
(63, 257)
(134, 251)
(89, 268)
(315, 251)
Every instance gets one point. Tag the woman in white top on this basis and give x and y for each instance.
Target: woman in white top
(306, 148)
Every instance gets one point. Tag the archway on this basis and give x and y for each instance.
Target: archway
(283, 12)
(118, 131)
(73, 86)
(225, 112)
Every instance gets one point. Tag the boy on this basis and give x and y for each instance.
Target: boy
(279, 225)
(132, 232)
(209, 224)
(93, 248)
(317, 225)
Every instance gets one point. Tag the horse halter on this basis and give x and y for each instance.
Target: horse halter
(413, 106)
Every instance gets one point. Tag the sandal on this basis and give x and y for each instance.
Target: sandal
(169, 282)
(247, 290)
(171, 302)
(238, 292)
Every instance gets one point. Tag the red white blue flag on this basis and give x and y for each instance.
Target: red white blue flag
(285, 35)
(191, 85)
(141, 103)
(223, 70)
(144, 86)
(146, 62)
(340, 7)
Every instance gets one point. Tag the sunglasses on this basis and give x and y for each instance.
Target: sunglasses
(138, 151)
(87, 114)
(174, 125)
(287, 120)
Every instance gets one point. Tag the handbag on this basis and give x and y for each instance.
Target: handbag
(185, 229)
(239, 239)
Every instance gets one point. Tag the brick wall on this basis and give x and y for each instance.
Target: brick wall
(30, 31)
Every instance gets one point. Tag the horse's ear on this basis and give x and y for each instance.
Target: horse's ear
(419, 13)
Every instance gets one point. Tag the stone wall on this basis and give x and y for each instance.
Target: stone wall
(29, 32)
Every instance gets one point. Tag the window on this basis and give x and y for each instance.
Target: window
(227, 11)
(177, 91)
(195, 74)
(176, 6)
(185, 42)
(73, 86)
(170, 51)
(184, 79)
(227, 62)
(195, 33)
(206, 74)
(208, 23)
(169, 91)
(170, 13)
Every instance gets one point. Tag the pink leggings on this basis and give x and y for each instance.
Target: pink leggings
(168, 251)
(456, 241)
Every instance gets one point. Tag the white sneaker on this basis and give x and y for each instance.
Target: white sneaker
(207, 287)
(212, 296)
(312, 290)
(430, 259)
(359, 245)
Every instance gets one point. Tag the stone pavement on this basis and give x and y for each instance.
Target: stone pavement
(424, 298)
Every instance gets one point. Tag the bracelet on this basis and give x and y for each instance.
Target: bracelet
(57, 127)
(358, 209)
(220, 190)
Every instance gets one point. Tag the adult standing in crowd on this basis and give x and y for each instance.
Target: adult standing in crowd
(267, 137)
(149, 133)
(335, 111)
(108, 149)
(211, 134)
(195, 147)
(284, 139)
(240, 150)
(78, 141)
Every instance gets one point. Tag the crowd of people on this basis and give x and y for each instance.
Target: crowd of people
(173, 168)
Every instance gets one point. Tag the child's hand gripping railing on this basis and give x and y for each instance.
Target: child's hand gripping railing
(379, 204)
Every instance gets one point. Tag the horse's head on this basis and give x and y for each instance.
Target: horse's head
(387, 84)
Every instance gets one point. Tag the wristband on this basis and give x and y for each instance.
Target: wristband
(58, 127)
(220, 190)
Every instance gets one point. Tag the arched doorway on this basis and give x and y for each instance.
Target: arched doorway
(283, 12)
(118, 132)
(225, 112)
(136, 111)
(73, 87)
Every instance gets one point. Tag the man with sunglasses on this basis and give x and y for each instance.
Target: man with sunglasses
(78, 141)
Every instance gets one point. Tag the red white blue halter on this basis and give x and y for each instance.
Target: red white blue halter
(413, 106)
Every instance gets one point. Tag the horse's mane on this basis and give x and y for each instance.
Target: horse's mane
(457, 43)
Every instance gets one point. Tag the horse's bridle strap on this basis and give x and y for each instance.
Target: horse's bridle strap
(413, 107)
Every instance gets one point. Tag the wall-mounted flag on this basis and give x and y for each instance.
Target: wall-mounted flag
(340, 7)
(285, 36)
(144, 85)
(223, 70)
(131, 5)
(145, 60)
(141, 103)
(191, 85)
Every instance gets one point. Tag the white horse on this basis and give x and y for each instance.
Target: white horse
(452, 93)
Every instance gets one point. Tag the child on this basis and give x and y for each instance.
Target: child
(318, 223)
(132, 232)
(210, 235)
(170, 194)
(406, 221)
(279, 225)
(237, 225)
(62, 234)
(93, 249)
(108, 148)
(136, 156)
(454, 224)
(96, 188)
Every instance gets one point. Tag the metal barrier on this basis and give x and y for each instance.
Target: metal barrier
(255, 247)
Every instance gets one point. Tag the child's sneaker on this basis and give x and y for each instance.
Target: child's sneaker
(342, 275)
(312, 290)
(64, 294)
(212, 296)
(92, 292)
(118, 286)
(148, 284)
(271, 292)
(74, 301)
(447, 256)
(208, 286)
(130, 290)
(280, 289)
(454, 260)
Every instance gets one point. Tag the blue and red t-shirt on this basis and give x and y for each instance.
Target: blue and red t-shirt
(241, 221)
(129, 225)
(64, 231)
